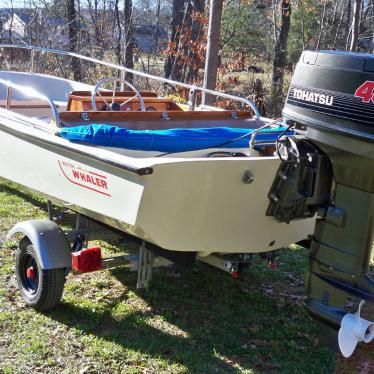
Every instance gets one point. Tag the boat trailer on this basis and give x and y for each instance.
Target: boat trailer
(69, 249)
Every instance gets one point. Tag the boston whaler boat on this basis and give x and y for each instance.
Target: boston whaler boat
(171, 183)
(187, 182)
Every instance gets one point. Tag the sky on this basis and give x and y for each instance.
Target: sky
(21, 3)
(7, 3)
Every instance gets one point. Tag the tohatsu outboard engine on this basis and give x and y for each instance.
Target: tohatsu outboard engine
(328, 170)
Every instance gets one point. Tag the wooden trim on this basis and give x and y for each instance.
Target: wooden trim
(26, 104)
(155, 120)
(118, 93)
(173, 115)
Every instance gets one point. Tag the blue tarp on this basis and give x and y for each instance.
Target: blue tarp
(170, 140)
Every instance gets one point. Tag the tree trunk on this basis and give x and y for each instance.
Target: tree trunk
(372, 25)
(335, 13)
(155, 37)
(73, 38)
(1, 29)
(94, 15)
(197, 34)
(212, 52)
(301, 9)
(274, 8)
(337, 34)
(321, 27)
(118, 26)
(355, 25)
(176, 22)
(129, 41)
(279, 62)
(177, 68)
(11, 24)
(348, 23)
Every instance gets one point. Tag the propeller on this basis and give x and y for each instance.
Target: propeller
(354, 329)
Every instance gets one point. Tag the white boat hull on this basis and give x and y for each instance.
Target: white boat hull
(189, 204)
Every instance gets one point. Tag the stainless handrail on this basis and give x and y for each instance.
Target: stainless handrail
(191, 87)
(30, 92)
(252, 141)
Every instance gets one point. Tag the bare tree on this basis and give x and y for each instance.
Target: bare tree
(94, 14)
(348, 22)
(155, 38)
(212, 52)
(197, 33)
(355, 25)
(183, 30)
(279, 62)
(118, 27)
(129, 41)
(371, 4)
(11, 22)
(301, 9)
(73, 37)
(274, 12)
(338, 28)
(176, 22)
(323, 19)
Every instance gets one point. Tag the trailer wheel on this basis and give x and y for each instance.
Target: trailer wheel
(40, 288)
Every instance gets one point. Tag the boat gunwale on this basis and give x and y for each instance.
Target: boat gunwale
(27, 136)
(37, 124)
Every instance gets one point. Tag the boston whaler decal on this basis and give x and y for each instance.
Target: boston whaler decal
(84, 178)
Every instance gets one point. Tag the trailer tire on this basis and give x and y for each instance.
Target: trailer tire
(40, 288)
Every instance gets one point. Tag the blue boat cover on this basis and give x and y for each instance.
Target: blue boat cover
(170, 140)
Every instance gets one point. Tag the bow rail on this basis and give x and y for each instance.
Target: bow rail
(193, 88)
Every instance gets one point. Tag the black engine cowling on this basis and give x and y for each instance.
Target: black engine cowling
(333, 91)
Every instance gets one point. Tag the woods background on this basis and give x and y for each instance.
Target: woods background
(251, 47)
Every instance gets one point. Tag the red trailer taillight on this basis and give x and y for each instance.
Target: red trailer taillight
(87, 260)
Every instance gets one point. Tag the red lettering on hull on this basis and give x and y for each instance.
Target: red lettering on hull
(96, 181)
(86, 179)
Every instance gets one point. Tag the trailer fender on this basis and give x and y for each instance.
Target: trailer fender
(49, 241)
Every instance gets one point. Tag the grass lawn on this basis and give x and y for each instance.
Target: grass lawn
(197, 321)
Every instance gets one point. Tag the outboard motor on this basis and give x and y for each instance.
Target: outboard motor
(328, 170)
